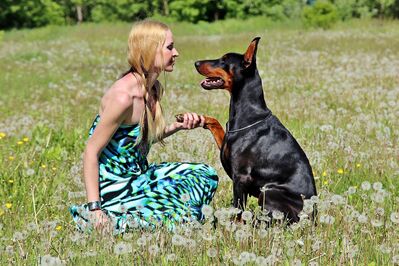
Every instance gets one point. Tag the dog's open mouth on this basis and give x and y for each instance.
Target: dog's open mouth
(212, 83)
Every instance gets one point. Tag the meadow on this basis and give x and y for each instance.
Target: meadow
(337, 91)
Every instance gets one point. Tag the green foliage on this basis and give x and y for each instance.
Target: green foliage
(322, 14)
(190, 10)
(37, 13)
(125, 10)
(348, 9)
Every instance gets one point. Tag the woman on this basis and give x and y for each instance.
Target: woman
(122, 188)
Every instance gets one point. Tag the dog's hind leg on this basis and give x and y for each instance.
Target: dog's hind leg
(213, 125)
(282, 200)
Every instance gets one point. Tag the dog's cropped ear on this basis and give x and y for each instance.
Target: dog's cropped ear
(250, 54)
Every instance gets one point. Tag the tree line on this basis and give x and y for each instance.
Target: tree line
(36, 13)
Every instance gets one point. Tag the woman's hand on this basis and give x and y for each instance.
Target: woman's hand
(101, 220)
(190, 121)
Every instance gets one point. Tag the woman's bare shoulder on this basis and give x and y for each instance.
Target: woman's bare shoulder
(122, 92)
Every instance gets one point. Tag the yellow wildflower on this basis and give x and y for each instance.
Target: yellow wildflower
(324, 174)
(26, 139)
(11, 158)
(10, 181)
(20, 142)
(358, 165)
(340, 171)
(54, 168)
(58, 228)
(43, 166)
(325, 182)
(8, 205)
(2, 135)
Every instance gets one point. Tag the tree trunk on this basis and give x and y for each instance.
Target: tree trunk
(79, 14)
(165, 8)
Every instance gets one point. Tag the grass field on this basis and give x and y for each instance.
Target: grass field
(337, 91)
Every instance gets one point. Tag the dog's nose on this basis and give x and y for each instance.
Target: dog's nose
(197, 64)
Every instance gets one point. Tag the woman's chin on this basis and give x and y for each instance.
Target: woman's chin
(169, 69)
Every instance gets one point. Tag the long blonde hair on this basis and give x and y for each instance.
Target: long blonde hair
(145, 38)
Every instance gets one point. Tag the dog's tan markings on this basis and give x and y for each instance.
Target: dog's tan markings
(251, 50)
(216, 129)
(213, 125)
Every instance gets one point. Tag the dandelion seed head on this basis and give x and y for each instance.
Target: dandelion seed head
(365, 185)
(376, 223)
(207, 210)
(153, 250)
(351, 190)
(141, 241)
(212, 252)
(278, 215)
(384, 248)
(122, 248)
(296, 262)
(30, 172)
(246, 216)
(362, 218)
(171, 257)
(377, 186)
(377, 197)
(327, 219)
(316, 245)
(394, 217)
(185, 197)
(337, 200)
(177, 240)
(379, 211)
(262, 233)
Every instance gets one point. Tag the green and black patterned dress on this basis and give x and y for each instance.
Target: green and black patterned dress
(137, 194)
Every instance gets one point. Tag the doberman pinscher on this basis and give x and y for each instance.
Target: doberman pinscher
(258, 153)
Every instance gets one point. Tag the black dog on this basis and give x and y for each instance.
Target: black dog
(258, 153)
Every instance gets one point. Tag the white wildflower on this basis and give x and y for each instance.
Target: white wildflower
(207, 210)
(278, 215)
(365, 185)
(246, 216)
(376, 223)
(394, 217)
(153, 250)
(122, 248)
(185, 197)
(351, 190)
(212, 252)
(327, 219)
(30, 172)
(377, 186)
(177, 240)
(362, 218)
(171, 257)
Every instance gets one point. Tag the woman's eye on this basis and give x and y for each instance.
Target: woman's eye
(170, 47)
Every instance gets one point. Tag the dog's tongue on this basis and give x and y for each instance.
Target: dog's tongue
(212, 83)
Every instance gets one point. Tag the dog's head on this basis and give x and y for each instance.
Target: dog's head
(228, 70)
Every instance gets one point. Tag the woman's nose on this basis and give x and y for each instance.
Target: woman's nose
(176, 53)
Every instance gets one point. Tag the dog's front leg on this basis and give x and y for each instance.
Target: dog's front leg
(213, 125)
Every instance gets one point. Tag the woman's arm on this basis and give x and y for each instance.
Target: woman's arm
(113, 115)
(190, 121)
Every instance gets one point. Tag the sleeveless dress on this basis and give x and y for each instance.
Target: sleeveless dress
(135, 194)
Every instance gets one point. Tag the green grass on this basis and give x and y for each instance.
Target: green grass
(336, 91)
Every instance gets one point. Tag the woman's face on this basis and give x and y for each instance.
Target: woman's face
(166, 56)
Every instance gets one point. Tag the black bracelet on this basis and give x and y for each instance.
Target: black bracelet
(94, 205)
